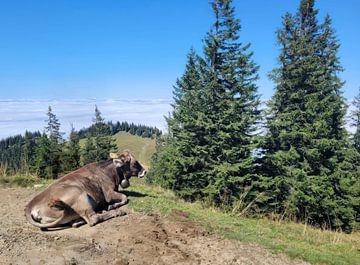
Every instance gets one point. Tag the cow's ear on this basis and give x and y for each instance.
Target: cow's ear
(118, 162)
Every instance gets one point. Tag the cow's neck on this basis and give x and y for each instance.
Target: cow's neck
(112, 172)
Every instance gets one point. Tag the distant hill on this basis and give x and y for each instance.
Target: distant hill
(141, 148)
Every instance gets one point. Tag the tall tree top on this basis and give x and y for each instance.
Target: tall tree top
(53, 126)
(98, 118)
(307, 12)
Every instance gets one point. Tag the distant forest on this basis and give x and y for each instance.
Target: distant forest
(47, 154)
(134, 129)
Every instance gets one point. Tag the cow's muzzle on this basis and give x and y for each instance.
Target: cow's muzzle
(142, 173)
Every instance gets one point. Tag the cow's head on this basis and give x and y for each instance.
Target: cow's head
(128, 166)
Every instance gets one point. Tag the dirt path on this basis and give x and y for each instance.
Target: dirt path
(135, 239)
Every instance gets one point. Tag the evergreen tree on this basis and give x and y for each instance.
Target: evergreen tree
(55, 143)
(88, 152)
(43, 168)
(28, 152)
(103, 142)
(356, 119)
(180, 160)
(233, 106)
(211, 128)
(355, 161)
(71, 160)
(307, 172)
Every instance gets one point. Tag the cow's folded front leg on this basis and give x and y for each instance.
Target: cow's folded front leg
(116, 200)
(101, 217)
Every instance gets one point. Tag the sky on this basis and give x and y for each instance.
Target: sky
(93, 52)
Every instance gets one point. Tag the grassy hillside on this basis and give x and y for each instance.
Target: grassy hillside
(141, 148)
(296, 240)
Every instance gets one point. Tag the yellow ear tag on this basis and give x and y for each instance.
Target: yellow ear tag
(113, 155)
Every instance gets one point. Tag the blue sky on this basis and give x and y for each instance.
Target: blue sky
(136, 49)
(73, 54)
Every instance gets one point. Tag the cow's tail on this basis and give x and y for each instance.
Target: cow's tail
(32, 221)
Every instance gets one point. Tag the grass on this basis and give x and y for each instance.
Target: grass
(296, 240)
(22, 180)
(141, 148)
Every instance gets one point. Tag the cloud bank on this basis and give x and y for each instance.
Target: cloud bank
(17, 116)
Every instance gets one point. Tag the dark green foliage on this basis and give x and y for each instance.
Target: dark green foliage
(100, 144)
(103, 142)
(356, 119)
(88, 152)
(140, 130)
(354, 162)
(55, 142)
(16, 152)
(233, 106)
(208, 152)
(181, 158)
(71, 157)
(306, 168)
(28, 152)
(42, 159)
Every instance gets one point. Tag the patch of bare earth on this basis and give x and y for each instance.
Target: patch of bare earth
(134, 239)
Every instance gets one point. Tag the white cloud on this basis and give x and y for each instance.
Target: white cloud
(19, 115)
(16, 116)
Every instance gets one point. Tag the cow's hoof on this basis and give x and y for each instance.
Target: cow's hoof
(78, 224)
(120, 213)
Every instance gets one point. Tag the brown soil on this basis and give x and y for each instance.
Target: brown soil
(134, 239)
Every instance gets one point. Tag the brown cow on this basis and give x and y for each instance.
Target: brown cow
(77, 197)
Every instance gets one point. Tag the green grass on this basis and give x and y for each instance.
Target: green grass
(141, 148)
(296, 240)
(21, 180)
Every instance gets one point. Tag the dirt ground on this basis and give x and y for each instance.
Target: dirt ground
(134, 239)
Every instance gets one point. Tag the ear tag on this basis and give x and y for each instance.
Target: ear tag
(113, 155)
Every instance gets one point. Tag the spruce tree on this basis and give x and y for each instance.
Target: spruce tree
(232, 100)
(88, 151)
(71, 160)
(356, 122)
(101, 144)
(180, 161)
(355, 160)
(28, 152)
(55, 143)
(42, 160)
(208, 152)
(307, 175)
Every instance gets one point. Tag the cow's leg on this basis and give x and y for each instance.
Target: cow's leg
(101, 217)
(115, 199)
(85, 206)
(79, 223)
